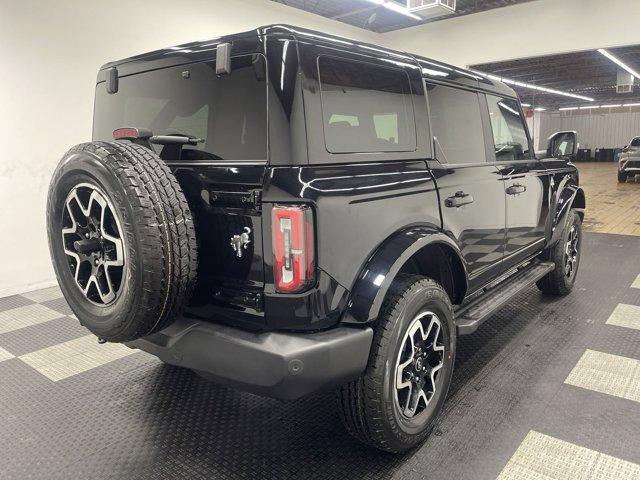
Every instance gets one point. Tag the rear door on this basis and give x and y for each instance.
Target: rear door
(471, 190)
(525, 179)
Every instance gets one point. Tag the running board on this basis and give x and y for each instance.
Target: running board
(470, 317)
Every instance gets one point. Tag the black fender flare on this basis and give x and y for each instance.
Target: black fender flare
(382, 266)
(569, 195)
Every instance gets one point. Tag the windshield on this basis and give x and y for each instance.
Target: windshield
(228, 112)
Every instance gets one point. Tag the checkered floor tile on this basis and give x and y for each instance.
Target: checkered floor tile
(71, 408)
(38, 329)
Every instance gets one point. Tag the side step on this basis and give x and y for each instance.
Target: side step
(470, 317)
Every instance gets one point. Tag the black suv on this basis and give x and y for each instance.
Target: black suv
(283, 211)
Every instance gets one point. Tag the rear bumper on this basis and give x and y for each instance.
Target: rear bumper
(275, 364)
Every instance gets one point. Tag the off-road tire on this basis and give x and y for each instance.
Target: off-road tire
(158, 232)
(366, 405)
(622, 177)
(557, 282)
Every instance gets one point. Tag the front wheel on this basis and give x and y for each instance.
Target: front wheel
(394, 404)
(566, 256)
(622, 176)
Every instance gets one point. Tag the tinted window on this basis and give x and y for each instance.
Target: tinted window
(229, 112)
(635, 142)
(509, 134)
(365, 108)
(456, 125)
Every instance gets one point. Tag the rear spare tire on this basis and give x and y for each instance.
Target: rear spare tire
(121, 238)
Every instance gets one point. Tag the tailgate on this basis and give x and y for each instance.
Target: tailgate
(225, 201)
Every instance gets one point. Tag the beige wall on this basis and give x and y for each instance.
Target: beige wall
(50, 52)
(530, 29)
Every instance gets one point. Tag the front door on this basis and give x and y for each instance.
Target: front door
(525, 180)
(472, 201)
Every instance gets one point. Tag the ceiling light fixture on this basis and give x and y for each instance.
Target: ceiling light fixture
(531, 86)
(631, 104)
(540, 109)
(611, 106)
(525, 104)
(619, 62)
(395, 7)
(568, 108)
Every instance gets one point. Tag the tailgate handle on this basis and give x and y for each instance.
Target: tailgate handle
(458, 200)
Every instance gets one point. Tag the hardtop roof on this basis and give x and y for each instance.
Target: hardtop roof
(200, 47)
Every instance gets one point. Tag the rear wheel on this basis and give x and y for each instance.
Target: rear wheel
(121, 238)
(395, 402)
(566, 256)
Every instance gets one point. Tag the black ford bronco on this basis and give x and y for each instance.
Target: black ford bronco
(283, 211)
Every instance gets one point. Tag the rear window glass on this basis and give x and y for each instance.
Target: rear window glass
(228, 112)
(365, 108)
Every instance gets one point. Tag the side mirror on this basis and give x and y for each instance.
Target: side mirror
(562, 145)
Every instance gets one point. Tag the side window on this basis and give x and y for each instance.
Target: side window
(365, 108)
(509, 133)
(456, 125)
(635, 142)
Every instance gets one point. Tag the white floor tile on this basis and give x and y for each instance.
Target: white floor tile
(22, 317)
(541, 457)
(606, 373)
(625, 316)
(75, 356)
(44, 294)
(4, 355)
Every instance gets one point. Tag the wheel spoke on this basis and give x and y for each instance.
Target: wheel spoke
(416, 374)
(93, 245)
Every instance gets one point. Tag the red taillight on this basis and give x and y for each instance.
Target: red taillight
(126, 133)
(293, 247)
(131, 133)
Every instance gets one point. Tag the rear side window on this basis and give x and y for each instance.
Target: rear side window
(456, 125)
(228, 112)
(635, 142)
(365, 108)
(509, 134)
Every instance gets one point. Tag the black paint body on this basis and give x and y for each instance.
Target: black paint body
(374, 212)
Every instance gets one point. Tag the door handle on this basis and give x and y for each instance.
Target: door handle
(516, 189)
(459, 199)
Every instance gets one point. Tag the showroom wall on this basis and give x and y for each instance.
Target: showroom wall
(49, 58)
(604, 130)
(530, 29)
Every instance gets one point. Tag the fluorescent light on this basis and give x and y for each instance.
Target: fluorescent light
(611, 106)
(525, 104)
(619, 62)
(508, 108)
(589, 107)
(531, 86)
(393, 6)
(435, 73)
(631, 105)
(540, 109)
(568, 108)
